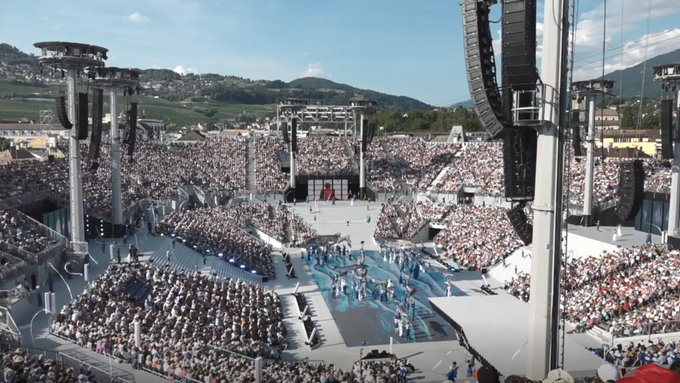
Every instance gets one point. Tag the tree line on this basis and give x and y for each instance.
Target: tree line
(434, 119)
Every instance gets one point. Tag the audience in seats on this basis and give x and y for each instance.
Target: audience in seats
(420, 162)
(381, 174)
(324, 155)
(181, 317)
(625, 291)
(217, 230)
(477, 236)
(406, 219)
(477, 164)
(20, 231)
(20, 366)
(268, 174)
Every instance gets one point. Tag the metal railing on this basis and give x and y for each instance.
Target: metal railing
(19, 253)
(12, 269)
(646, 329)
(99, 374)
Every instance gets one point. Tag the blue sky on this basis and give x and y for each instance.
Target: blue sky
(402, 47)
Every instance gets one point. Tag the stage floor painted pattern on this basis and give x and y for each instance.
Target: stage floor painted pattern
(372, 321)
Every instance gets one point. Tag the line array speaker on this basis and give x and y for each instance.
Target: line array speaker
(293, 136)
(371, 132)
(519, 161)
(576, 141)
(62, 113)
(631, 189)
(519, 43)
(81, 122)
(364, 136)
(481, 69)
(132, 128)
(97, 114)
(507, 97)
(520, 223)
(667, 129)
(284, 131)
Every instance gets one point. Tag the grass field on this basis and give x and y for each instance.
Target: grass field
(172, 112)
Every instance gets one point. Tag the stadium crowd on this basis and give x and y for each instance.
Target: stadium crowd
(186, 321)
(268, 174)
(22, 232)
(418, 161)
(381, 174)
(324, 155)
(217, 230)
(405, 219)
(625, 291)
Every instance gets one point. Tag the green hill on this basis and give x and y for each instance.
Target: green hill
(632, 77)
(183, 100)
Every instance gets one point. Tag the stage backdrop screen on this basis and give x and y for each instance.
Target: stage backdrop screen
(327, 189)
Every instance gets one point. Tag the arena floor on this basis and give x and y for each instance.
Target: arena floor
(376, 324)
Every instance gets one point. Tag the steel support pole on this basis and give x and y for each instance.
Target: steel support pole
(292, 182)
(362, 163)
(117, 198)
(674, 208)
(540, 326)
(590, 162)
(75, 171)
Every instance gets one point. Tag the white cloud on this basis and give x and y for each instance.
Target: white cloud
(138, 18)
(314, 70)
(183, 71)
(633, 54)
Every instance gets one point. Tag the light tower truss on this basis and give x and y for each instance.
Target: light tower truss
(46, 120)
(73, 61)
(582, 90)
(315, 114)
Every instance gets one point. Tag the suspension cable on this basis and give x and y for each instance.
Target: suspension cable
(644, 65)
(604, 58)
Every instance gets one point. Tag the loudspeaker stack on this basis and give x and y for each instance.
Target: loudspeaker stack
(82, 123)
(667, 129)
(520, 223)
(631, 189)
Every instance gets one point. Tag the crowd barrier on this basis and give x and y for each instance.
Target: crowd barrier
(79, 367)
(12, 269)
(650, 329)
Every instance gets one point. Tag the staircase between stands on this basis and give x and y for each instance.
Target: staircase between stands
(351, 154)
(393, 161)
(250, 166)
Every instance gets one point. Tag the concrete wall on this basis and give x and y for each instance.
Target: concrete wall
(267, 239)
(422, 235)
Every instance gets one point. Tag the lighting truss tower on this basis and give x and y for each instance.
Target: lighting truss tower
(291, 107)
(669, 77)
(73, 60)
(362, 109)
(317, 115)
(113, 79)
(589, 91)
(46, 120)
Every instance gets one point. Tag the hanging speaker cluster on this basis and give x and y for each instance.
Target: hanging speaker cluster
(520, 223)
(519, 44)
(519, 161)
(82, 123)
(97, 114)
(284, 131)
(62, 113)
(631, 189)
(667, 129)
(293, 135)
(132, 128)
(481, 69)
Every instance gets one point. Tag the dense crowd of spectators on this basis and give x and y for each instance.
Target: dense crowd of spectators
(477, 236)
(324, 155)
(218, 230)
(188, 322)
(268, 174)
(406, 219)
(221, 230)
(420, 162)
(625, 291)
(382, 174)
(477, 164)
(22, 232)
(474, 236)
(19, 366)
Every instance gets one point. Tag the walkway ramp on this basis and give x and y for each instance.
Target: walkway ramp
(514, 261)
